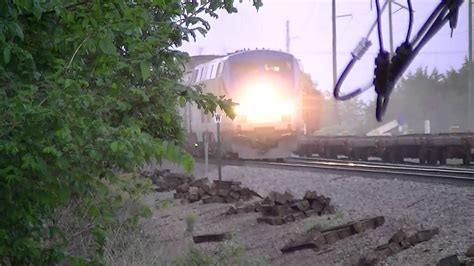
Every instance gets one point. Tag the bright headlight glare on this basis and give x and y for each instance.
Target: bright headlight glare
(286, 108)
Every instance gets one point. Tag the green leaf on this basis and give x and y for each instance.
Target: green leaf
(115, 146)
(107, 46)
(6, 54)
(145, 70)
(19, 31)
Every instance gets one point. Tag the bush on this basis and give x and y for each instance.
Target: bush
(89, 89)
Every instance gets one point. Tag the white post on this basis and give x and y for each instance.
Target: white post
(206, 156)
(427, 127)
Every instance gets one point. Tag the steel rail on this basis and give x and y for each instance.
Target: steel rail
(401, 170)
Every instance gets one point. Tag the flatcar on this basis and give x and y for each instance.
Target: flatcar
(267, 86)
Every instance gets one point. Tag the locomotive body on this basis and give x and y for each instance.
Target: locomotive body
(266, 85)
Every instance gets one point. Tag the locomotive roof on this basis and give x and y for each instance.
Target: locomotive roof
(249, 54)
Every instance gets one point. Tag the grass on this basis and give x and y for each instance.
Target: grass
(190, 220)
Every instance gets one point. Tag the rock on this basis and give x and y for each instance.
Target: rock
(470, 251)
(301, 206)
(358, 227)
(235, 195)
(288, 218)
(309, 213)
(199, 182)
(212, 238)
(222, 192)
(267, 201)
(398, 236)
(310, 195)
(275, 210)
(329, 209)
(452, 260)
(270, 220)
(231, 210)
(331, 237)
(344, 232)
(208, 199)
(317, 206)
(426, 235)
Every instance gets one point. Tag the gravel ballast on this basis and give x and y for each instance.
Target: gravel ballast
(405, 204)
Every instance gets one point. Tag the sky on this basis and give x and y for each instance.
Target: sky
(311, 36)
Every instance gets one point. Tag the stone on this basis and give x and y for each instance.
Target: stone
(317, 206)
(231, 210)
(398, 236)
(182, 188)
(394, 247)
(222, 192)
(207, 199)
(275, 210)
(452, 260)
(280, 198)
(235, 195)
(470, 251)
(426, 235)
(320, 241)
(331, 237)
(368, 224)
(329, 209)
(267, 201)
(379, 221)
(310, 195)
(358, 227)
(270, 220)
(206, 187)
(344, 232)
(301, 206)
(199, 182)
(241, 210)
(288, 218)
(212, 238)
(229, 200)
(309, 213)
(193, 197)
(299, 215)
(201, 192)
(223, 184)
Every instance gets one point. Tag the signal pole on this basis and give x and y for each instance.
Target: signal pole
(470, 111)
(390, 26)
(288, 36)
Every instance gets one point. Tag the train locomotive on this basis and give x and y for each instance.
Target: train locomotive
(267, 86)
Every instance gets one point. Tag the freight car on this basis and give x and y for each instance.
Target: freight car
(269, 87)
(427, 148)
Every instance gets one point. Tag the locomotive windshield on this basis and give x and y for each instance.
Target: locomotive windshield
(271, 67)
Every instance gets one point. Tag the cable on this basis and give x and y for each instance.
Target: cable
(410, 20)
(389, 70)
(379, 24)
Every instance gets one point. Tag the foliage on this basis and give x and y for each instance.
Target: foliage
(88, 88)
(190, 220)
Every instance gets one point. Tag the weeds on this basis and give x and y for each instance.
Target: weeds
(190, 220)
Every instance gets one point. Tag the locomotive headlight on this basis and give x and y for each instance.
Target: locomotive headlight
(287, 108)
(263, 103)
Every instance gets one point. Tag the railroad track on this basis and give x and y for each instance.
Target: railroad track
(433, 172)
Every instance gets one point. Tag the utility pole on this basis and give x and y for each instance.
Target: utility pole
(390, 26)
(470, 113)
(288, 36)
(334, 57)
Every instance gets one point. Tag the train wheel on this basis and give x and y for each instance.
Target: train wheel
(443, 156)
(466, 160)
